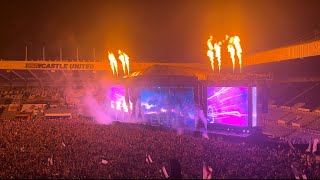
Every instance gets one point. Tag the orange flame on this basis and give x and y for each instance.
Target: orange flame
(210, 52)
(232, 51)
(217, 48)
(237, 45)
(123, 61)
(124, 58)
(227, 37)
(113, 63)
(127, 63)
(234, 48)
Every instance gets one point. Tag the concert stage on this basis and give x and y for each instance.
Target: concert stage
(182, 100)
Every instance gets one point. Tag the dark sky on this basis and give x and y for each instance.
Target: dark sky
(150, 30)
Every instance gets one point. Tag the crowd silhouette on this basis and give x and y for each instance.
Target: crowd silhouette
(76, 148)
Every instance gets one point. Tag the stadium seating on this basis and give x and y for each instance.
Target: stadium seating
(275, 114)
(61, 110)
(276, 130)
(8, 114)
(291, 123)
(298, 105)
(315, 125)
(302, 136)
(290, 94)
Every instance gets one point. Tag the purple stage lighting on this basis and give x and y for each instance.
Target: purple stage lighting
(228, 105)
(117, 97)
(168, 104)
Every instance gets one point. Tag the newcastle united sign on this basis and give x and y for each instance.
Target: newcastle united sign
(54, 65)
(60, 66)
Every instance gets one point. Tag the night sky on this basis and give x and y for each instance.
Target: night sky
(150, 30)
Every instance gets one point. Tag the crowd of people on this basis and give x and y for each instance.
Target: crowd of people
(74, 148)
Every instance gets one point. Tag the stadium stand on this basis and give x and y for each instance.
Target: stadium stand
(61, 111)
(10, 111)
(315, 125)
(276, 114)
(298, 105)
(277, 131)
(311, 98)
(306, 118)
(290, 94)
(303, 136)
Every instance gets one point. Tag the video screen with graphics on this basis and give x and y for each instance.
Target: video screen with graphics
(228, 105)
(168, 105)
(117, 99)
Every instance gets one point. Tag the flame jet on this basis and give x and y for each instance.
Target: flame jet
(234, 48)
(127, 62)
(217, 48)
(124, 58)
(123, 61)
(113, 63)
(210, 53)
(236, 42)
(231, 50)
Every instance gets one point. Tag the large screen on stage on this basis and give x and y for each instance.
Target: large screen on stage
(117, 99)
(228, 105)
(171, 105)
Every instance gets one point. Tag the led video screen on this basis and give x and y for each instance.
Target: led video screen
(228, 105)
(168, 105)
(254, 106)
(117, 99)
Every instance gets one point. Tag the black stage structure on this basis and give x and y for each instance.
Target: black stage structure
(188, 88)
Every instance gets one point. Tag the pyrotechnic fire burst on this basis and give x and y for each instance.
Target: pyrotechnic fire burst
(217, 48)
(210, 52)
(231, 50)
(113, 63)
(123, 61)
(234, 48)
(124, 58)
(236, 42)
